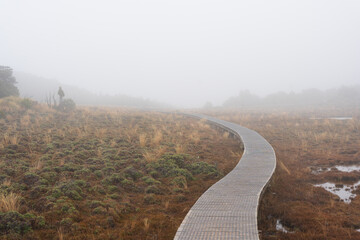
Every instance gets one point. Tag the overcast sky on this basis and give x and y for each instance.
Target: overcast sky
(184, 52)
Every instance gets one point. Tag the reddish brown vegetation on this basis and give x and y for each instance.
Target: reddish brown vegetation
(302, 145)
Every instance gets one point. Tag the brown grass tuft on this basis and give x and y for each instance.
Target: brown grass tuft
(13, 139)
(60, 233)
(9, 202)
(282, 165)
(158, 136)
(142, 140)
(166, 205)
(149, 157)
(179, 148)
(146, 224)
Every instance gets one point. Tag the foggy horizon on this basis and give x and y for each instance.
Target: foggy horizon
(184, 53)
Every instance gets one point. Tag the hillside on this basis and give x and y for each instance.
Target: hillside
(346, 96)
(37, 88)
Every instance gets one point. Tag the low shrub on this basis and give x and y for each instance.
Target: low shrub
(14, 222)
(149, 199)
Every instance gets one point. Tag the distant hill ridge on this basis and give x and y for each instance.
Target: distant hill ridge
(37, 88)
(345, 96)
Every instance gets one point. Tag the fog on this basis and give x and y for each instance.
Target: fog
(185, 52)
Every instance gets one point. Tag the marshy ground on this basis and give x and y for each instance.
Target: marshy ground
(103, 173)
(109, 173)
(304, 142)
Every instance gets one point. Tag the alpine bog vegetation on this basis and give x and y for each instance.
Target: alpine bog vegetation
(306, 142)
(103, 173)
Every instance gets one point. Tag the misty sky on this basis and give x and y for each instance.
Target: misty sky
(184, 52)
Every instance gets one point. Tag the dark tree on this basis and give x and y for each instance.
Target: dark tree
(7, 83)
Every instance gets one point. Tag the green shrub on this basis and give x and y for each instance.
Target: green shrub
(100, 189)
(149, 180)
(178, 159)
(180, 181)
(81, 183)
(68, 208)
(153, 189)
(131, 172)
(178, 190)
(38, 191)
(108, 170)
(72, 189)
(99, 210)
(95, 204)
(98, 173)
(43, 182)
(115, 196)
(66, 105)
(128, 184)
(114, 179)
(30, 178)
(27, 103)
(70, 167)
(181, 172)
(74, 195)
(113, 188)
(172, 166)
(149, 199)
(50, 176)
(14, 222)
(180, 198)
(66, 222)
(84, 172)
(56, 193)
(202, 168)
(3, 177)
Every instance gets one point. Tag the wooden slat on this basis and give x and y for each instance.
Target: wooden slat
(228, 209)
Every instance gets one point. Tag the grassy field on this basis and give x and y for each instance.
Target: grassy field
(103, 173)
(108, 173)
(306, 142)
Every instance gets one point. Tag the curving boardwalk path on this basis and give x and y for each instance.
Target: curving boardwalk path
(228, 209)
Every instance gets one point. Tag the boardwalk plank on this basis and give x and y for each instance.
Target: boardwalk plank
(228, 209)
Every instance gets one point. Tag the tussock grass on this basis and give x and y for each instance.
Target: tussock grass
(142, 140)
(179, 148)
(149, 157)
(146, 224)
(158, 136)
(9, 202)
(60, 233)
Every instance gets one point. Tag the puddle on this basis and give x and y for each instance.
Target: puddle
(346, 169)
(320, 170)
(345, 192)
(333, 118)
(280, 227)
(341, 118)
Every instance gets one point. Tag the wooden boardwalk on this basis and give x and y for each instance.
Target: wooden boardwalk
(228, 209)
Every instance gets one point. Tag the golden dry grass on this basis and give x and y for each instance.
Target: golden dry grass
(9, 202)
(142, 140)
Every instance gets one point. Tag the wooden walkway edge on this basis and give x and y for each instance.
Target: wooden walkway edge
(228, 209)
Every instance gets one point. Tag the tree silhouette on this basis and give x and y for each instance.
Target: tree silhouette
(7, 83)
